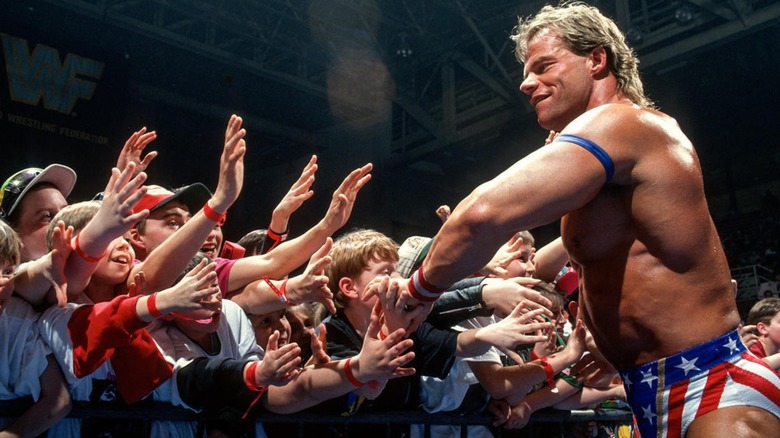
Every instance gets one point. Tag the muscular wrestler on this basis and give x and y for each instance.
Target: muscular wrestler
(655, 288)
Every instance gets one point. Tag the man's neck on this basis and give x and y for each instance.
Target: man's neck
(605, 91)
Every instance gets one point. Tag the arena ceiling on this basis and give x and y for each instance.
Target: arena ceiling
(431, 84)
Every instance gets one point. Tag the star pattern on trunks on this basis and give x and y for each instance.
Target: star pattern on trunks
(648, 414)
(648, 377)
(731, 345)
(688, 365)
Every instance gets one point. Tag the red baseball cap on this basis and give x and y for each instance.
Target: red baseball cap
(193, 196)
(568, 281)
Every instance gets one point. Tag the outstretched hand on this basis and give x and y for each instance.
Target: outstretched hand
(523, 326)
(312, 285)
(592, 369)
(319, 346)
(550, 137)
(60, 251)
(381, 360)
(298, 194)
(415, 311)
(133, 149)
(122, 193)
(577, 343)
(397, 310)
(280, 364)
(231, 166)
(138, 285)
(197, 290)
(504, 295)
(443, 212)
(508, 252)
(344, 198)
(748, 335)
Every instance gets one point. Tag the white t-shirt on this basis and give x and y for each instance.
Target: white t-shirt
(22, 351)
(237, 341)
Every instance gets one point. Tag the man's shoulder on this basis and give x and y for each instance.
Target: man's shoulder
(623, 118)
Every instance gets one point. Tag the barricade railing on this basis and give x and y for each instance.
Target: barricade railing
(159, 411)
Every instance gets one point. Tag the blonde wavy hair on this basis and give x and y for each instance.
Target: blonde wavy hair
(583, 28)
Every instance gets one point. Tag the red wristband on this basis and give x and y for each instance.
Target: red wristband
(280, 237)
(283, 290)
(534, 356)
(279, 291)
(421, 289)
(209, 212)
(549, 372)
(249, 378)
(84, 255)
(351, 377)
(151, 306)
(382, 335)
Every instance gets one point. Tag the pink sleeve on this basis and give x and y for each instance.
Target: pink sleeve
(223, 273)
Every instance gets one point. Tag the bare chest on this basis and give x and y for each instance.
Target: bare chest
(601, 229)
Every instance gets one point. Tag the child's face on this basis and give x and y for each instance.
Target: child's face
(373, 270)
(264, 326)
(6, 282)
(117, 263)
(772, 330)
(522, 266)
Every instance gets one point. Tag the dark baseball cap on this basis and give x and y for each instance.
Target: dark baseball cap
(18, 184)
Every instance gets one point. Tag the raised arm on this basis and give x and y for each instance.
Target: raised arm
(514, 382)
(114, 218)
(521, 198)
(167, 261)
(266, 295)
(42, 282)
(295, 197)
(65, 271)
(133, 149)
(195, 291)
(378, 361)
(519, 327)
(292, 254)
(549, 260)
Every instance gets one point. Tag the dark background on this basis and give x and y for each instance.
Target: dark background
(327, 77)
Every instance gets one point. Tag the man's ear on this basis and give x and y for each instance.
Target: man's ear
(135, 239)
(347, 288)
(762, 329)
(598, 62)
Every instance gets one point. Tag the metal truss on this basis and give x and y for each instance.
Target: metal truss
(460, 80)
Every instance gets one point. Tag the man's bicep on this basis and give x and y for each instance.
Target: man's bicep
(545, 185)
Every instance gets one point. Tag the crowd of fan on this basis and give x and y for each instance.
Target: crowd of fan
(136, 296)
